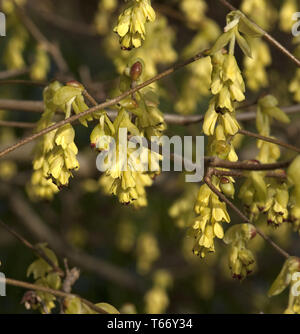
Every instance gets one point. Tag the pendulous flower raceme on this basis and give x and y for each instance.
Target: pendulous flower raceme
(220, 125)
(56, 153)
(139, 116)
(211, 213)
(266, 198)
(293, 173)
(240, 259)
(131, 23)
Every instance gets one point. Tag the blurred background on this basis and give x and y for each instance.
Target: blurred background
(123, 252)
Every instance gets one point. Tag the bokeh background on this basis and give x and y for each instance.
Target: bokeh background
(120, 250)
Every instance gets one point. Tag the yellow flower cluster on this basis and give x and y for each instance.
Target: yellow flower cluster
(131, 23)
(148, 252)
(156, 299)
(44, 275)
(261, 195)
(286, 279)
(122, 178)
(41, 65)
(220, 124)
(55, 154)
(219, 145)
(70, 97)
(211, 213)
(13, 55)
(159, 37)
(240, 259)
(286, 13)
(228, 86)
(294, 178)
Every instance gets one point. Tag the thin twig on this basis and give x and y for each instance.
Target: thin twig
(23, 125)
(38, 106)
(267, 36)
(23, 82)
(234, 173)
(223, 198)
(38, 250)
(57, 293)
(270, 140)
(13, 73)
(101, 106)
(245, 165)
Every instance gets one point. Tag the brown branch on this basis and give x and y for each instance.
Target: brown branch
(223, 198)
(13, 73)
(245, 165)
(234, 173)
(101, 106)
(38, 250)
(23, 125)
(268, 37)
(38, 106)
(270, 140)
(23, 82)
(29, 106)
(57, 293)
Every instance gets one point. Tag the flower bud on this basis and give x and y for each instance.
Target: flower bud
(136, 71)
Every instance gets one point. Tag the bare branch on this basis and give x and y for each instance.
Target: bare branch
(101, 106)
(270, 140)
(57, 293)
(13, 73)
(38, 250)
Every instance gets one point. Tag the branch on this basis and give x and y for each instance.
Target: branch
(57, 293)
(268, 37)
(101, 106)
(13, 73)
(234, 173)
(269, 139)
(223, 198)
(37, 250)
(38, 107)
(245, 165)
(23, 125)
(23, 82)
